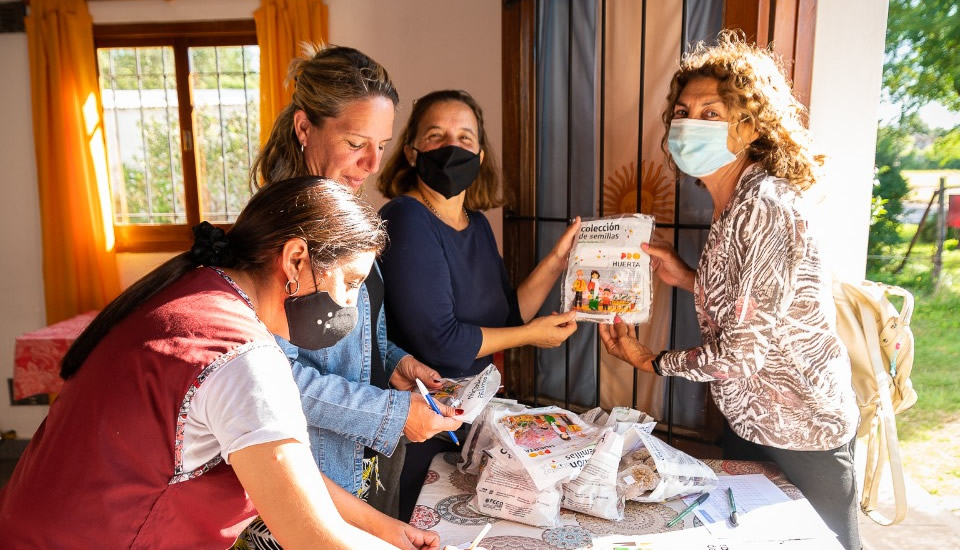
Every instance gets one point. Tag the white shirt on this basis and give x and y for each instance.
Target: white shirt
(251, 399)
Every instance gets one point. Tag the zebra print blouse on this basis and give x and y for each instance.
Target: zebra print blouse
(778, 370)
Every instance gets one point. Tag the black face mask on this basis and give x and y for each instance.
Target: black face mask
(448, 170)
(316, 321)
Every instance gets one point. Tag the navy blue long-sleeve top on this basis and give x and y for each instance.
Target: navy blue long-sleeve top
(442, 285)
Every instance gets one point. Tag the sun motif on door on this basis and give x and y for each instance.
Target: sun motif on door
(656, 197)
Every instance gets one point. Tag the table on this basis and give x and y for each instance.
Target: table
(443, 506)
(37, 356)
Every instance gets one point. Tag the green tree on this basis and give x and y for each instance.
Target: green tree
(946, 150)
(152, 190)
(223, 159)
(889, 187)
(153, 182)
(923, 38)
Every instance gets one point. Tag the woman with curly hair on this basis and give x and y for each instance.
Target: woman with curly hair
(776, 366)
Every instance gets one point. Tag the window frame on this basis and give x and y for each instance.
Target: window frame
(180, 36)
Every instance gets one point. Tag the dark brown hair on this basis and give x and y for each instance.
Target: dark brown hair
(335, 224)
(398, 176)
(322, 85)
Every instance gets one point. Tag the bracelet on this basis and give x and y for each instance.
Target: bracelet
(655, 362)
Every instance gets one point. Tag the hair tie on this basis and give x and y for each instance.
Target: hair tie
(211, 246)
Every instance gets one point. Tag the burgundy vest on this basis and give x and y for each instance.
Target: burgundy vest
(104, 469)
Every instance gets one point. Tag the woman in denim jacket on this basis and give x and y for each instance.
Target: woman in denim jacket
(337, 124)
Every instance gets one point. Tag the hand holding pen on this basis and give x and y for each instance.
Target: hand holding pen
(426, 417)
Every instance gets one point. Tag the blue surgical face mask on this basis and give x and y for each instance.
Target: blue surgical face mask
(699, 147)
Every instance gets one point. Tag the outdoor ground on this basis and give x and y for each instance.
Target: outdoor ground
(930, 431)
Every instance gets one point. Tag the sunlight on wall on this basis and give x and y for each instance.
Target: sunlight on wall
(98, 154)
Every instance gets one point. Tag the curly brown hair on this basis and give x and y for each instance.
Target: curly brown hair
(756, 90)
(398, 176)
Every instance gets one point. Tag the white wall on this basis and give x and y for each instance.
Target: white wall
(21, 271)
(425, 45)
(844, 104)
(155, 11)
(428, 45)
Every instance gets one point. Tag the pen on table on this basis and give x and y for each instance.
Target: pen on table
(483, 533)
(733, 507)
(700, 500)
(433, 405)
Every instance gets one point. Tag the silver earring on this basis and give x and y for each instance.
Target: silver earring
(301, 148)
(286, 288)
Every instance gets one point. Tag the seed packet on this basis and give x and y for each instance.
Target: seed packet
(470, 393)
(506, 490)
(652, 471)
(551, 443)
(621, 419)
(608, 274)
(595, 490)
(482, 434)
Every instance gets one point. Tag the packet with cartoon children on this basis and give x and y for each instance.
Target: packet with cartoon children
(470, 393)
(608, 274)
(553, 444)
(652, 471)
(506, 490)
(482, 435)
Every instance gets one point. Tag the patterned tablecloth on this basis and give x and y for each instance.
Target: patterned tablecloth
(37, 355)
(443, 506)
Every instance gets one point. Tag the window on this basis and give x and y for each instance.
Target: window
(181, 108)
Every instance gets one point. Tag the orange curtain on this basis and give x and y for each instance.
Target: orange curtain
(282, 26)
(79, 262)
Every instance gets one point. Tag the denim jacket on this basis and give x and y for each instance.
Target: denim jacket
(344, 412)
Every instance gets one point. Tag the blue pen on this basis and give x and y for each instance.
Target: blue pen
(433, 405)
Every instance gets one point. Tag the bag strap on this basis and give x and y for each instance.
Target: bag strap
(882, 446)
(906, 312)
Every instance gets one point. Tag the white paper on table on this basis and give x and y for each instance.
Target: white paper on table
(764, 512)
(700, 539)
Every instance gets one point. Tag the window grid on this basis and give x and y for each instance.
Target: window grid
(143, 137)
(166, 113)
(162, 223)
(246, 103)
(223, 131)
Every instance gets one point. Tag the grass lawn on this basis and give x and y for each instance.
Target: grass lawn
(930, 431)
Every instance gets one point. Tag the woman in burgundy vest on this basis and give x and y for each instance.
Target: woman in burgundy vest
(180, 421)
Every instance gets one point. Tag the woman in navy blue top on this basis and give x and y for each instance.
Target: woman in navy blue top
(448, 298)
(444, 285)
